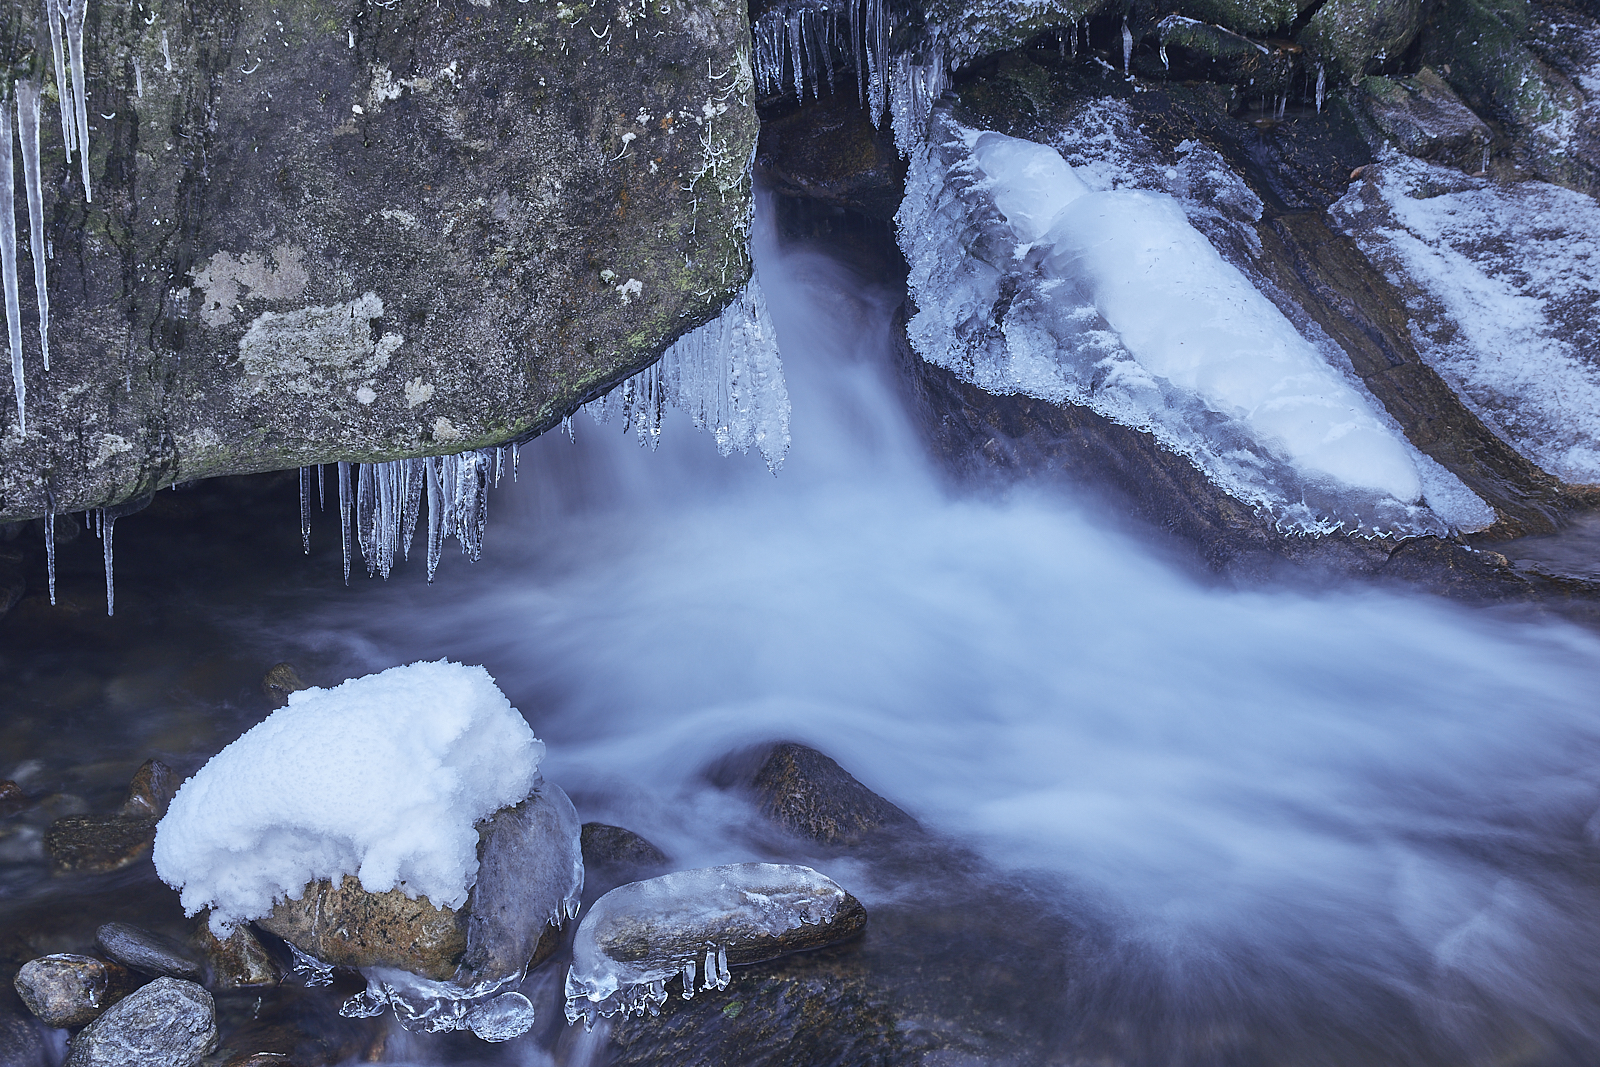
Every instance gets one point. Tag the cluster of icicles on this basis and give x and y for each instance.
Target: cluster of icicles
(65, 18)
(796, 44)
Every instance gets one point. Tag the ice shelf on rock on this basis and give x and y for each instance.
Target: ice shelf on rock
(685, 925)
(382, 777)
(1131, 301)
(1503, 285)
(529, 880)
(726, 376)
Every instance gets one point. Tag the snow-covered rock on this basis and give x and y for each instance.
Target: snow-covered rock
(383, 778)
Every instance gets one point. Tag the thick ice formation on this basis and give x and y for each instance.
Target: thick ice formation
(640, 935)
(1121, 304)
(382, 777)
(726, 376)
(1503, 283)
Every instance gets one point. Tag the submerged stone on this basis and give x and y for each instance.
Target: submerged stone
(98, 844)
(168, 1023)
(21, 1043)
(65, 990)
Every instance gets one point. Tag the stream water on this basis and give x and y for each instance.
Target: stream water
(1200, 825)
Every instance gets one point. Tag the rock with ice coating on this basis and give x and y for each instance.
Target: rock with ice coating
(700, 922)
(382, 778)
(1060, 282)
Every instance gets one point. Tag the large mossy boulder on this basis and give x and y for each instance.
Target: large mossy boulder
(360, 231)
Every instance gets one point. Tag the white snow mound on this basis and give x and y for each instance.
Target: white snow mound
(382, 777)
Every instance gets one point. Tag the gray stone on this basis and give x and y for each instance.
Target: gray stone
(65, 990)
(1426, 119)
(327, 231)
(145, 951)
(168, 1023)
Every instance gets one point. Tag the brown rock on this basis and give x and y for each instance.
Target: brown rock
(349, 927)
(65, 990)
(150, 791)
(1426, 119)
(810, 795)
(281, 679)
(613, 846)
(238, 961)
(10, 791)
(97, 844)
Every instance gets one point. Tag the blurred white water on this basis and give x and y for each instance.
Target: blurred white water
(1272, 794)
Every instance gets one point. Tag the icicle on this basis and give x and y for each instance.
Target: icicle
(1164, 63)
(723, 978)
(305, 509)
(435, 515)
(688, 979)
(75, 14)
(413, 505)
(344, 515)
(108, 526)
(1322, 86)
(366, 526)
(499, 465)
(322, 494)
(1485, 167)
(1127, 45)
(28, 132)
(8, 262)
(50, 547)
(711, 969)
(63, 93)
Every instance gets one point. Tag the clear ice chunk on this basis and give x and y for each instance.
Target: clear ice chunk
(502, 1018)
(639, 936)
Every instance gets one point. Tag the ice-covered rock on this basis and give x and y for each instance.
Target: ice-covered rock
(382, 778)
(697, 924)
(1503, 285)
(1050, 277)
(168, 1023)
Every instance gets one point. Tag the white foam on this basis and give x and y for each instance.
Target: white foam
(382, 777)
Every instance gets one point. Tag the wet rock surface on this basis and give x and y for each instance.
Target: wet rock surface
(1425, 118)
(346, 926)
(65, 990)
(301, 1027)
(150, 953)
(150, 791)
(618, 848)
(98, 844)
(238, 961)
(168, 1023)
(810, 795)
(280, 680)
(337, 256)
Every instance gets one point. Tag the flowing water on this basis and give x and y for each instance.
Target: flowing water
(1196, 824)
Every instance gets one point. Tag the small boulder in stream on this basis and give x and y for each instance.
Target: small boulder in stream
(151, 953)
(699, 923)
(66, 990)
(618, 848)
(238, 961)
(810, 795)
(168, 1023)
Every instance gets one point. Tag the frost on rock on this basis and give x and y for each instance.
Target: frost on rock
(726, 376)
(382, 777)
(1503, 286)
(694, 924)
(1129, 299)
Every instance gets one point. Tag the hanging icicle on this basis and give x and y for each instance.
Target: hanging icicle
(73, 13)
(1127, 46)
(8, 262)
(50, 545)
(108, 526)
(305, 509)
(344, 515)
(28, 110)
